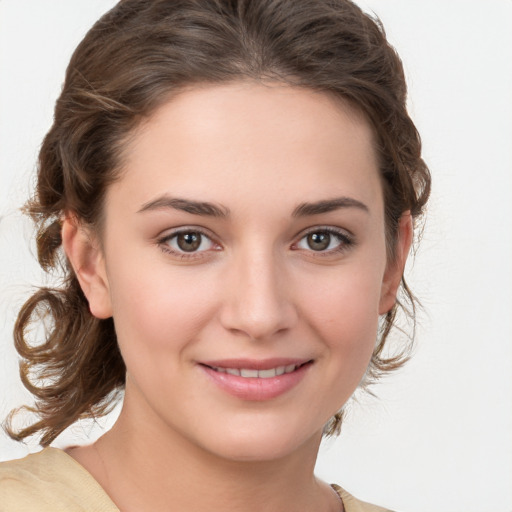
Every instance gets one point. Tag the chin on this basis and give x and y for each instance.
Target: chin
(268, 443)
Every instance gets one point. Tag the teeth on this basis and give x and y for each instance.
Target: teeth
(248, 373)
(267, 374)
(261, 374)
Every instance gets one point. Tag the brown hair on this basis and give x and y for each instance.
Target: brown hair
(128, 64)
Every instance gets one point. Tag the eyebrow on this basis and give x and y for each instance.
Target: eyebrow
(185, 205)
(329, 205)
(211, 210)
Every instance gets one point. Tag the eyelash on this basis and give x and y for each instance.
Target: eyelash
(345, 240)
(163, 243)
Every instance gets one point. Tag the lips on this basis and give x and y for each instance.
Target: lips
(256, 380)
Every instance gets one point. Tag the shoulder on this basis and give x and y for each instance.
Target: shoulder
(352, 504)
(50, 481)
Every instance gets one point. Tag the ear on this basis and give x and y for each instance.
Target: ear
(395, 269)
(84, 253)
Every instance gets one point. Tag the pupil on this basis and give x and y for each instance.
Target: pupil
(189, 242)
(319, 241)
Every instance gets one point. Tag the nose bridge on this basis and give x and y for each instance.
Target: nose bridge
(257, 302)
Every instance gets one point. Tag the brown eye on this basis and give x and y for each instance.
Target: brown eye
(319, 241)
(189, 241)
(328, 241)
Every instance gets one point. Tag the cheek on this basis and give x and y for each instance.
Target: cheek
(351, 299)
(344, 314)
(156, 312)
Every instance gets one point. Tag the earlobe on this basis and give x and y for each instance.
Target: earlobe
(85, 256)
(395, 269)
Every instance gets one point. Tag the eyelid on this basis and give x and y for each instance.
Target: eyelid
(347, 240)
(326, 228)
(167, 235)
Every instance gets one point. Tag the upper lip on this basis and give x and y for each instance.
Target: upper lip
(254, 364)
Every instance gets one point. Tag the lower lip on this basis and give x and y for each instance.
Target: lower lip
(257, 389)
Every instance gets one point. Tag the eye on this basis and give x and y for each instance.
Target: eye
(187, 242)
(325, 240)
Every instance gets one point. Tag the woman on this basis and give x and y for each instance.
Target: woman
(234, 186)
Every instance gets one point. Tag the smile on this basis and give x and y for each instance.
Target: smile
(256, 380)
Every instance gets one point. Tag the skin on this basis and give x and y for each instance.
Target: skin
(255, 289)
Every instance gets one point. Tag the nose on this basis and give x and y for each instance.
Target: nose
(257, 297)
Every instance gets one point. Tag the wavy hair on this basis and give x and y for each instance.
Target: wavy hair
(129, 63)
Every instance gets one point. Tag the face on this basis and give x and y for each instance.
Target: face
(244, 262)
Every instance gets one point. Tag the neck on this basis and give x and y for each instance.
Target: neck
(141, 469)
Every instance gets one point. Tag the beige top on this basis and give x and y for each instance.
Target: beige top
(52, 481)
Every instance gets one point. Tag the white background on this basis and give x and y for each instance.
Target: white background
(439, 437)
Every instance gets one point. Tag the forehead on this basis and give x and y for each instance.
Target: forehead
(237, 140)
